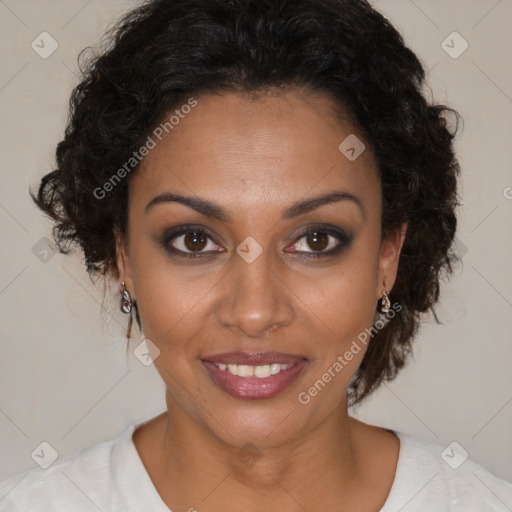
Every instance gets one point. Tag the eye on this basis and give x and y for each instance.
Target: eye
(324, 240)
(193, 242)
(189, 242)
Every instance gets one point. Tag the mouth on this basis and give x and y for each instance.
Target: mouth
(254, 375)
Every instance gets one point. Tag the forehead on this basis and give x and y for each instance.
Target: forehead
(237, 148)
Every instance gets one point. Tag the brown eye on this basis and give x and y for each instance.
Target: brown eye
(322, 240)
(195, 240)
(189, 242)
(317, 240)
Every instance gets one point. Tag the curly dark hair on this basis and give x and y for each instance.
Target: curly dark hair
(164, 51)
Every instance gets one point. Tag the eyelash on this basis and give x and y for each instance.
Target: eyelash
(344, 240)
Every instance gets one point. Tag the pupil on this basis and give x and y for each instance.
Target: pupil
(195, 241)
(320, 240)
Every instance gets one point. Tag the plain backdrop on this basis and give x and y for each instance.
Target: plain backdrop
(65, 377)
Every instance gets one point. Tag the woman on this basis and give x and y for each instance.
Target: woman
(260, 176)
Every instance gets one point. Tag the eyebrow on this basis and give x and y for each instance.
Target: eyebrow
(299, 208)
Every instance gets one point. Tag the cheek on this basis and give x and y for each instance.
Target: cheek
(169, 296)
(342, 300)
(171, 308)
(170, 304)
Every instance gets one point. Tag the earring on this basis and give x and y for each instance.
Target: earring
(385, 303)
(126, 300)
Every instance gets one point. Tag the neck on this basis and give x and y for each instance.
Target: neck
(262, 473)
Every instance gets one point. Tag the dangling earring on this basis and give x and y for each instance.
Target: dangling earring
(126, 300)
(385, 303)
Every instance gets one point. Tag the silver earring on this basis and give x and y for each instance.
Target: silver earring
(385, 303)
(126, 300)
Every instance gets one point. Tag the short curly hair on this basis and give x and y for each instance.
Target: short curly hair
(164, 51)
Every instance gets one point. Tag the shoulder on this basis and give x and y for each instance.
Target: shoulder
(434, 477)
(83, 479)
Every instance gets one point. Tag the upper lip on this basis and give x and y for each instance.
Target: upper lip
(253, 358)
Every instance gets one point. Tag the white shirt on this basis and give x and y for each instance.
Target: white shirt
(110, 477)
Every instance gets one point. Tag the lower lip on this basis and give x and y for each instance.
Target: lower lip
(253, 388)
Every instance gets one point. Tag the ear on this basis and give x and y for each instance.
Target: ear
(123, 262)
(389, 257)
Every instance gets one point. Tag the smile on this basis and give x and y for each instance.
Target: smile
(269, 374)
(261, 372)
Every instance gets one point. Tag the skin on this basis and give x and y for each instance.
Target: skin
(254, 158)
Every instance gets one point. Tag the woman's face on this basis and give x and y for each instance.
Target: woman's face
(241, 276)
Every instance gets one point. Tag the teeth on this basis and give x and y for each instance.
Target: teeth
(245, 371)
(261, 372)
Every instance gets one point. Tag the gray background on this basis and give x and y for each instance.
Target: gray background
(65, 378)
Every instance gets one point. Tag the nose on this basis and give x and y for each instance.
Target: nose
(256, 300)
